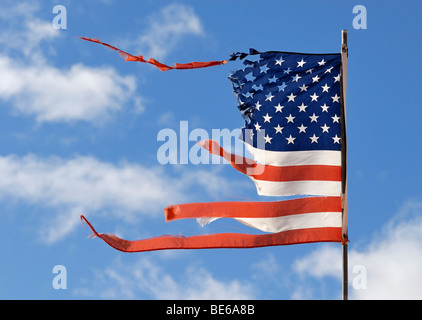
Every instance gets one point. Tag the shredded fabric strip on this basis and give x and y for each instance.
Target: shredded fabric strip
(159, 65)
(291, 106)
(220, 240)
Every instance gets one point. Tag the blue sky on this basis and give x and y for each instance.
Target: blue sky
(78, 135)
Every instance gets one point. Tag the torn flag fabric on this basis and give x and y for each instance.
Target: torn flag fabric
(286, 222)
(159, 65)
(291, 104)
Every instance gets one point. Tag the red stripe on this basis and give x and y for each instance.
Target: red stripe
(274, 173)
(298, 173)
(240, 163)
(221, 240)
(159, 65)
(251, 209)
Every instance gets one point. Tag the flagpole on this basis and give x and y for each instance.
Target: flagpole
(344, 54)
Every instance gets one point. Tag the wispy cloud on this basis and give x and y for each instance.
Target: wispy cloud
(146, 278)
(166, 29)
(87, 185)
(31, 86)
(50, 94)
(388, 267)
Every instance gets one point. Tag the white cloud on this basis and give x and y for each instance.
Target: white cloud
(30, 85)
(388, 267)
(85, 181)
(24, 32)
(86, 185)
(148, 279)
(326, 261)
(267, 268)
(166, 29)
(55, 95)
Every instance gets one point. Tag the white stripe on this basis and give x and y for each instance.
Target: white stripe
(295, 158)
(289, 188)
(294, 222)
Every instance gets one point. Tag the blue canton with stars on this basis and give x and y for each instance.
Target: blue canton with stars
(290, 101)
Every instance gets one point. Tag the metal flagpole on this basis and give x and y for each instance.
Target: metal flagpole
(344, 54)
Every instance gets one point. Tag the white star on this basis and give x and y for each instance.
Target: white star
(258, 105)
(336, 139)
(325, 128)
(267, 118)
(273, 79)
(325, 88)
(281, 88)
(336, 98)
(291, 97)
(314, 138)
(278, 129)
(300, 63)
(257, 127)
(296, 78)
(325, 108)
(337, 78)
(336, 118)
(302, 107)
(250, 94)
(315, 79)
(279, 62)
(290, 118)
(314, 97)
(267, 139)
(264, 68)
(302, 128)
(290, 140)
(269, 97)
(309, 70)
(322, 62)
(250, 77)
(329, 70)
(287, 71)
(303, 88)
(259, 87)
(314, 118)
(278, 108)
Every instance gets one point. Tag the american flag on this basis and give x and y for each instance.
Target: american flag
(291, 106)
